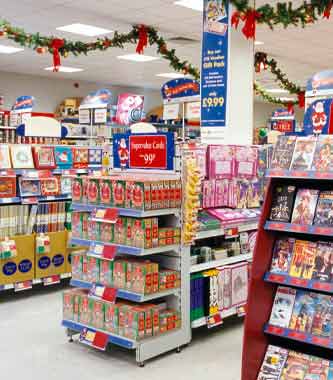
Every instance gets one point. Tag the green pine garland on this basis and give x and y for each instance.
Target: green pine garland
(41, 44)
(284, 13)
(272, 99)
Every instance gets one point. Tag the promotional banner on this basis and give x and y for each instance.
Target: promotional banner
(97, 99)
(129, 109)
(143, 151)
(321, 84)
(214, 68)
(182, 89)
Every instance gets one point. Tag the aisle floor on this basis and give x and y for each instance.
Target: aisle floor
(33, 346)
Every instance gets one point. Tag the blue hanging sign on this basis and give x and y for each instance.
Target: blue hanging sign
(321, 84)
(214, 67)
(318, 118)
(283, 120)
(143, 151)
(97, 99)
(24, 103)
(182, 89)
(283, 114)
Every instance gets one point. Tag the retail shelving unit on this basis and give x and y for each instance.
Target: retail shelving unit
(227, 231)
(258, 333)
(174, 256)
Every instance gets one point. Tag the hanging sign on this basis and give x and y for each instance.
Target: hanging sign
(129, 109)
(97, 99)
(171, 111)
(214, 66)
(321, 84)
(283, 120)
(192, 110)
(24, 103)
(318, 118)
(144, 151)
(180, 90)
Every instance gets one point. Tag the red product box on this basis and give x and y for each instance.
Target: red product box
(44, 157)
(7, 187)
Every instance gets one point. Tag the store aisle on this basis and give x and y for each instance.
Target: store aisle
(33, 346)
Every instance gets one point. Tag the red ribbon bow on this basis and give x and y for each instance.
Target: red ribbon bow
(235, 18)
(249, 28)
(56, 44)
(143, 39)
(301, 99)
(290, 107)
(327, 11)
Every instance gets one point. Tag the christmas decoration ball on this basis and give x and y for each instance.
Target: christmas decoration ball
(262, 132)
(40, 50)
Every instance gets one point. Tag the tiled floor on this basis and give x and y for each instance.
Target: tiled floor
(33, 346)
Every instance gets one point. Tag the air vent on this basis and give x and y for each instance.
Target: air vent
(183, 41)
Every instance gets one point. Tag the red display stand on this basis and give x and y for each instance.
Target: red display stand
(258, 334)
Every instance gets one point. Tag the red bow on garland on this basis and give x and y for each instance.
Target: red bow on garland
(250, 17)
(56, 44)
(301, 99)
(290, 107)
(327, 11)
(143, 39)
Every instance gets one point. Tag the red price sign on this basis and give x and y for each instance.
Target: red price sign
(283, 125)
(148, 151)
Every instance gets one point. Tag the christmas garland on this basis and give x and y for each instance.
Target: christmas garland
(261, 61)
(272, 99)
(282, 14)
(140, 34)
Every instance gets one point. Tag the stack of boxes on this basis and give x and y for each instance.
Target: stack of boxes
(142, 277)
(122, 318)
(135, 232)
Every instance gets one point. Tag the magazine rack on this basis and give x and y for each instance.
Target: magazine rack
(258, 334)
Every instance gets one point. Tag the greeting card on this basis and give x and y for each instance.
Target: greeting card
(29, 187)
(95, 156)
(5, 157)
(44, 157)
(64, 157)
(50, 186)
(22, 157)
(80, 157)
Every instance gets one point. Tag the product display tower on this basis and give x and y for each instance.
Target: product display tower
(111, 305)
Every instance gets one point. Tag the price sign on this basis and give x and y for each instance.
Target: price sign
(213, 102)
(103, 293)
(94, 338)
(29, 200)
(52, 280)
(214, 320)
(107, 252)
(144, 151)
(24, 285)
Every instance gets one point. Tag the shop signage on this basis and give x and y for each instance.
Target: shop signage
(129, 109)
(144, 151)
(214, 68)
(181, 90)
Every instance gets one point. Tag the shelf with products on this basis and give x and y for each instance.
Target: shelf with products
(127, 220)
(218, 263)
(290, 298)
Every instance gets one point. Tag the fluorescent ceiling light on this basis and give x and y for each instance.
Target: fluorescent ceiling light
(137, 57)
(171, 75)
(65, 69)
(9, 49)
(84, 30)
(258, 43)
(287, 99)
(277, 90)
(197, 5)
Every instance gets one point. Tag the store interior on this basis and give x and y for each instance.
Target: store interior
(165, 189)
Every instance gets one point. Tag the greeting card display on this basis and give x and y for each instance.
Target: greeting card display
(5, 157)
(50, 186)
(246, 161)
(80, 157)
(305, 206)
(21, 157)
(64, 157)
(221, 161)
(29, 187)
(95, 156)
(44, 157)
(7, 187)
(303, 153)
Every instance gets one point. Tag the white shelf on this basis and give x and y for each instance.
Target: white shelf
(224, 314)
(243, 227)
(217, 263)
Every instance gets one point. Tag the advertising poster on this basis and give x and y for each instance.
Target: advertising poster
(214, 69)
(129, 109)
